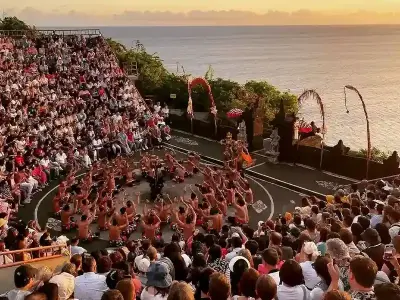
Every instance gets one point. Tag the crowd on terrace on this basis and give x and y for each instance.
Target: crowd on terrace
(65, 103)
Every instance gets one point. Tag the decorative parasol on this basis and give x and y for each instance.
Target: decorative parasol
(234, 113)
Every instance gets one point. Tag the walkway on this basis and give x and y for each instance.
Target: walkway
(303, 177)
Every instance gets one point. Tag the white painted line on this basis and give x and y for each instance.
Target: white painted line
(341, 177)
(255, 166)
(282, 187)
(195, 135)
(271, 214)
(271, 200)
(305, 167)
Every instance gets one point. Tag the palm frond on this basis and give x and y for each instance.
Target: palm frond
(314, 95)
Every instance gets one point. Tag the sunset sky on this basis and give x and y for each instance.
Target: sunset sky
(224, 12)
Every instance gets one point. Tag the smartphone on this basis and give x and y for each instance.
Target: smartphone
(388, 254)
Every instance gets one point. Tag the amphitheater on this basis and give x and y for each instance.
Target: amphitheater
(277, 188)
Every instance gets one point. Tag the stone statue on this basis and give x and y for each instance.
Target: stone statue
(271, 146)
(242, 136)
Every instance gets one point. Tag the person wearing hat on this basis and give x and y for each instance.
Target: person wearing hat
(158, 282)
(24, 280)
(339, 253)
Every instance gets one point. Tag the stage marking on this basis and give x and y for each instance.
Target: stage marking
(45, 196)
(255, 166)
(271, 200)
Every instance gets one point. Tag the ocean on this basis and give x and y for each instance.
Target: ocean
(295, 58)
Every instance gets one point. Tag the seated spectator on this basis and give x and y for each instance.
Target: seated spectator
(219, 287)
(270, 259)
(65, 281)
(309, 253)
(158, 282)
(75, 249)
(180, 291)
(89, 286)
(50, 290)
(215, 259)
(247, 285)
(24, 281)
(375, 249)
(112, 295)
(203, 283)
(321, 268)
(387, 291)
(266, 288)
(127, 289)
(292, 286)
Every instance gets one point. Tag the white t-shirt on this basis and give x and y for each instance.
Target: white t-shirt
(275, 277)
(298, 292)
(310, 276)
(16, 294)
(145, 295)
(61, 158)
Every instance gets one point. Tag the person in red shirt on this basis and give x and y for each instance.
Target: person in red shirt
(19, 159)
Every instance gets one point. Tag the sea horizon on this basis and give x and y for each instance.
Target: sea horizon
(294, 58)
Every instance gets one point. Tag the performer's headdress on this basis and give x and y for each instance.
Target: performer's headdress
(229, 135)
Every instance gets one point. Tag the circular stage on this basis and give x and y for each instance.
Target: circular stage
(43, 203)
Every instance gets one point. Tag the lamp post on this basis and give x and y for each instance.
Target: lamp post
(352, 88)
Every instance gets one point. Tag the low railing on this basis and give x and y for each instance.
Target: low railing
(15, 258)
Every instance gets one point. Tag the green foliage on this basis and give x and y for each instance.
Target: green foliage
(156, 80)
(376, 154)
(13, 23)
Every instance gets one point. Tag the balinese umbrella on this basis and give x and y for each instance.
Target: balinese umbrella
(234, 113)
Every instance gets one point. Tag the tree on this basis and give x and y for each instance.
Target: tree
(13, 23)
(156, 80)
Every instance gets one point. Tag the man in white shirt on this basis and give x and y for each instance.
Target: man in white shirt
(90, 286)
(75, 249)
(61, 158)
(65, 281)
(237, 246)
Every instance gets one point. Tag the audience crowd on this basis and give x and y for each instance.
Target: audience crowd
(65, 101)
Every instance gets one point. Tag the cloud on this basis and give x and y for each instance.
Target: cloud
(74, 18)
